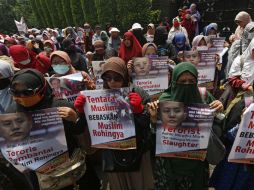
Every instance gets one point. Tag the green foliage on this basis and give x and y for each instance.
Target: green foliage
(35, 16)
(77, 13)
(106, 11)
(67, 12)
(45, 12)
(90, 11)
(60, 14)
(134, 11)
(63, 13)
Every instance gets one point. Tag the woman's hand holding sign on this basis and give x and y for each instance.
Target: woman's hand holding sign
(217, 105)
(68, 114)
(153, 107)
(79, 103)
(136, 102)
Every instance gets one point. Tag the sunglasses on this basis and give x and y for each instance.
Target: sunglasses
(27, 92)
(109, 78)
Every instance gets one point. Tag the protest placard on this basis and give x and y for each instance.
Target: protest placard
(151, 74)
(97, 70)
(35, 140)
(242, 150)
(183, 130)
(206, 65)
(66, 87)
(110, 119)
(216, 43)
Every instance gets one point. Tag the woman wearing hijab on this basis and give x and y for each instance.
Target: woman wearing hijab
(61, 64)
(4, 56)
(211, 30)
(11, 178)
(200, 42)
(178, 173)
(104, 37)
(179, 41)
(129, 47)
(189, 25)
(149, 49)
(240, 45)
(150, 33)
(138, 174)
(241, 74)
(175, 29)
(6, 73)
(241, 19)
(48, 47)
(195, 16)
(24, 58)
(31, 92)
(78, 61)
(228, 175)
(164, 48)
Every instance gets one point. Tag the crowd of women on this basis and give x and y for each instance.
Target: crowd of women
(25, 61)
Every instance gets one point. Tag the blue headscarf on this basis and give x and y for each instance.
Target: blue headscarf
(179, 41)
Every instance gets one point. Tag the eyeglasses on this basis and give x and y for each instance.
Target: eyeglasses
(109, 78)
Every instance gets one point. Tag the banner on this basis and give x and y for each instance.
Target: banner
(183, 131)
(35, 140)
(66, 87)
(242, 150)
(151, 74)
(97, 70)
(110, 119)
(21, 26)
(205, 62)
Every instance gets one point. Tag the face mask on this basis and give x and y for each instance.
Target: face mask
(61, 69)
(4, 83)
(180, 91)
(176, 24)
(250, 36)
(201, 48)
(25, 62)
(28, 101)
(48, 49)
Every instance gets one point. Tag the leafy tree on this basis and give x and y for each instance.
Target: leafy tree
(67, 11)
(90, 12)
(45, 13)
(36, 17)
(106, 11)
(52, 12)
(77, 13)
(60, 14)
(132, 11)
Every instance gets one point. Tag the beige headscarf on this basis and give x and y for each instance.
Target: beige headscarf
(66, 58)
(245, 18)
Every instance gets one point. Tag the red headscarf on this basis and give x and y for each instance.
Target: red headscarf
(134, 51)
(20, 53)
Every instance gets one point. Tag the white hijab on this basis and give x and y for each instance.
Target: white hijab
(247, 70)
(5, 97)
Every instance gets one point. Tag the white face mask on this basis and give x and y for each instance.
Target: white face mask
(61, 69)
(25, 62)
(202, 48)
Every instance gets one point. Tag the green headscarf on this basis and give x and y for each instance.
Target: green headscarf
(187, 93)
(181, 172)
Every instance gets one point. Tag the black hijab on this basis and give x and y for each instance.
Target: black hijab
(161, 35)
(33, 79)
